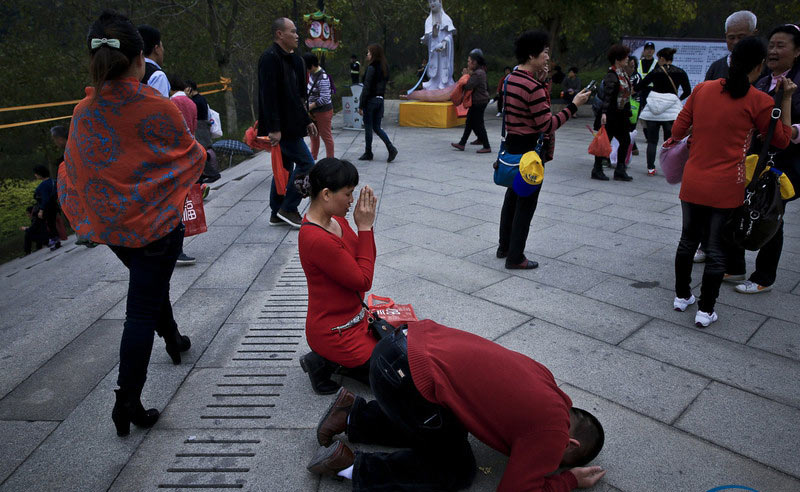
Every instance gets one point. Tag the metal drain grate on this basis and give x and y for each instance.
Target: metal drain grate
(219, 463)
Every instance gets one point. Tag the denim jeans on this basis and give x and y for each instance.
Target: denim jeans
(437, 455)
(297, 160)
(373, 113)
(706, 224)
(148, 310)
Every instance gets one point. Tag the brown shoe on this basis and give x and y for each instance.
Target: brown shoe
(457, 146)
(484, 150)
(476, 142)
(334, 421)
(331, 460)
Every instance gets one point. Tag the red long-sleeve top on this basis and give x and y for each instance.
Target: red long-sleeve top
(505, 399)
(722, 128)
(338, 272)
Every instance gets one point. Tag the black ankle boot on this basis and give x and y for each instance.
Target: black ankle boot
(128, 409)
(319, 371)
(597, 171)
(366, 156)
(175, 344)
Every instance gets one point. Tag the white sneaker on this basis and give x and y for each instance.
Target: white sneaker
(703, 319)
(700, 256)
(733, 278)
(681, 304)
(499, 115)
(748, 287)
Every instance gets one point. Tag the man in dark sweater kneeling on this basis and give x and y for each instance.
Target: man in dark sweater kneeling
(432, 388)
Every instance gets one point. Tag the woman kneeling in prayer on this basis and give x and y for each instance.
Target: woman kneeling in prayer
(338, 264)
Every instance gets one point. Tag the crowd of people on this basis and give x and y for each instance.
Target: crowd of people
(433, 385)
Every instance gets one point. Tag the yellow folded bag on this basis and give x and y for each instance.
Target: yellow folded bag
(787, 190)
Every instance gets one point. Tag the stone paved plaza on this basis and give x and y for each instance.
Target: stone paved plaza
(684, 409)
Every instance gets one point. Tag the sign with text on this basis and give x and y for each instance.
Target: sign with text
(694, 56)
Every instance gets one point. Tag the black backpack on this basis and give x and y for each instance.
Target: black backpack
(757, 220)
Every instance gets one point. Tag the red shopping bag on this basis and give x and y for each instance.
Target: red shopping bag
(279, 172)
(386, 308)
(600, 146)
(194, 216)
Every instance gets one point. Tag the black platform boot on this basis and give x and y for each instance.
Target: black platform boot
(319, 371)
(128, 409)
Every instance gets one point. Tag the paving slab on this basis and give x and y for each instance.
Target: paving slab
(753, 426)
(243, 213)
(219, 459)
(453, 308)
(640, 383)
(563, 214)
(554, 273)
(58, 386)
(434, 218)
(653, 300)
(562, 308)
(92, 463)
(20, 439)
(737, 365)
(237, 267)
(209, 246)
(455, 273)
(670, 459)
(206, 400)
(623, 262)
(255, 345)
(438, 240)
(778, 337)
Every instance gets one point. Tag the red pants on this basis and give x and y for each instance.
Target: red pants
(323, 122)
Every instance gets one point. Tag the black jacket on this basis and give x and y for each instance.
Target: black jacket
(281, 94)
(660, 78)
(788, 159)
(374, 84)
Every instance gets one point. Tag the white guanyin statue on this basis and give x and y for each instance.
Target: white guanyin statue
(439, 31)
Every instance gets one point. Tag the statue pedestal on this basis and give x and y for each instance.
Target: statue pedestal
(424, 114)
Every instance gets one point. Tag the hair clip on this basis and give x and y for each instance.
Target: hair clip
(98, 42)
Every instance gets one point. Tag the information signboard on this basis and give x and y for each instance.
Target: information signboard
(694, 55)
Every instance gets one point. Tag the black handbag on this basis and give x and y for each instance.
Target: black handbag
(756, 221)
(379, 327)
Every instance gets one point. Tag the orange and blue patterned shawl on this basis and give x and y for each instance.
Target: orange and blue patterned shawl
(128, 165)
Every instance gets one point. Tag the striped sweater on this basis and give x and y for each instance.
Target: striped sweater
(527, 106)
(319, 91)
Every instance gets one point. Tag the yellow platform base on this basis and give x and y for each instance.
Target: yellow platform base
(429, 114)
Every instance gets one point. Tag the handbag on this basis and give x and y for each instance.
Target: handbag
(673, 157)
(216, 123)
(506, 167)
(386, 309)
(194, 215)
(756, 221)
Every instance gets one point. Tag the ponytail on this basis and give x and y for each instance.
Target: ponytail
(113, 43)
(746, 56)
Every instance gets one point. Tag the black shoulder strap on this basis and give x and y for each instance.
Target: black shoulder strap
(762, 156)
(149, 70)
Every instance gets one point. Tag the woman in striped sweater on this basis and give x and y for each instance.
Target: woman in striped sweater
(527, 116)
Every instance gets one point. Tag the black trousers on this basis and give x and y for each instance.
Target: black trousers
(148, 310)
(475, 123)
(701, 223)
(515, 224)
(437, 455)
(617, 126)
(766, 262)
(652, 139)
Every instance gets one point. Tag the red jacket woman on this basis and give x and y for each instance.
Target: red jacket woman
(339, 266)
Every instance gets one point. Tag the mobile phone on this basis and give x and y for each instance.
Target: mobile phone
(591, 85)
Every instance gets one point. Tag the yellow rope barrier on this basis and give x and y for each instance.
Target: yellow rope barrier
(24, 123)
(224, 81)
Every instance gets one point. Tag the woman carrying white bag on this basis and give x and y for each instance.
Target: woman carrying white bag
(662, 104)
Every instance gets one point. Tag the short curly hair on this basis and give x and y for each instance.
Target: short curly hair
(530, 43)
(618, 52)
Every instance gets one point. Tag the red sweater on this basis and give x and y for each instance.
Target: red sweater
(722, 128)
(339, 272)
(527, 106)
(505, 399)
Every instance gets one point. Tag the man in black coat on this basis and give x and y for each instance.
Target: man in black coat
(282, 116)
